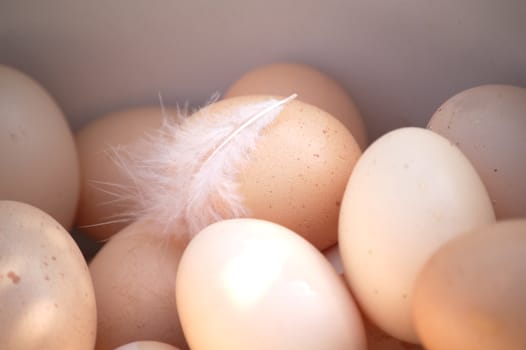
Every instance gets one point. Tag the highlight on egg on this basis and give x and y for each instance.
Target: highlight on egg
(253, 284)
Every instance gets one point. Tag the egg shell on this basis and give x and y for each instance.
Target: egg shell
(37, 151)
(107, 189)
(47, 298)
(311, 85)
(146, 345)
(253, 284)
(488, 124)
(297, 174)
(471, 293)
(410, 192)
(133, 276)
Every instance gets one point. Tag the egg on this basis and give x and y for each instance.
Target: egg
(376, 338)
(252, 284)
(409, 193)
(133, 276)
(470, 293)
(146, 345)
(106, 187)
(265, 157)
(47, 298)
(311, 85)
(37, 151)
(379, 340)
(487, 123)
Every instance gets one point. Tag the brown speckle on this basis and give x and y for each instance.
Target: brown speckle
(404, 296)
(338, 203)
(376, 291)
(53, 258)
(316, 155)
(47, 278)
(13, 137)
(495, 170)
(55, 305)
(370, 252)
(13, 277)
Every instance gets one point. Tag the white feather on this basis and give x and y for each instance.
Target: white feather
(178, 183)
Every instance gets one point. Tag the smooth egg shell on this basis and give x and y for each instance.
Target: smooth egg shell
(471, 293)
(488, 123)
(38, 157)
(409, 193)
(106, 186)
(146, 345)
(252, 284)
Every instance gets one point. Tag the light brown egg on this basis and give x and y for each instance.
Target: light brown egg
(46, 295)
(488, 124)
(146, 345)
(471, 293)
(37, 151)
(105, 183)
(297, 174)
(134, 276)
(311, 85)
(251, 284)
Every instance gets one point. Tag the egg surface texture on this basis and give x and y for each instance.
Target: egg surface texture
(146, 345)
(311, 85)
(134, 276)
(47, 300)
(297, 173)
(488, 123)
(107, 190)
(251, 284)
(410, 192)
(38, 159)
(470, 294)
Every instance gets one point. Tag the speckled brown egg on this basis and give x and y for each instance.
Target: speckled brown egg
(311, 85)
(298, 172)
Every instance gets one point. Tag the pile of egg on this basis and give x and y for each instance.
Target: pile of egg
(264, 220)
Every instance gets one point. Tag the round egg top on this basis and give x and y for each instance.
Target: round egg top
(311, 85)
(38, 158)
(410, 192)
(108, 192)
